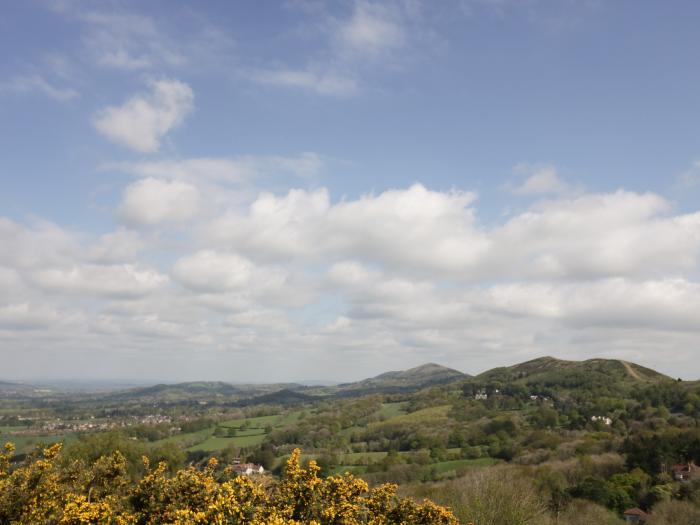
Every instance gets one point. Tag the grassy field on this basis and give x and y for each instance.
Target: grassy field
(25, 444)
(457, 464)
(249, 432)
(357, 470)
(214, 443)
(428, 416)
(390, 410)
(353, 457)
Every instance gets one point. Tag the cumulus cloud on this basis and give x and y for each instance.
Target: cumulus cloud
(142, 121)
(152, 201)
(414, 227)
(667, 304)
(596, 235)
(209, 271)
(119, 281)
(23, 316)
(409, 273)
(226, 281)
(118, 246)
(593, 235)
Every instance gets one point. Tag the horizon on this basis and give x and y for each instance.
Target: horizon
(126, 383)
(332, 189)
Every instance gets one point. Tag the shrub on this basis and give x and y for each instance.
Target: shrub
(46, 491)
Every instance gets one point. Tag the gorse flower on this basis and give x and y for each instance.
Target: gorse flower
(43, 491)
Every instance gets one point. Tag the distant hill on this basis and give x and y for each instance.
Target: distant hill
(613, 374)
(400, 381)
(199, 391)
(284, 397)
(292, 393)
(11, 389)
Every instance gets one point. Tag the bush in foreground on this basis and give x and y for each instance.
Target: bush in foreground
(42, 491)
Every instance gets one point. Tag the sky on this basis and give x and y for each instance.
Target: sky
(307, 190)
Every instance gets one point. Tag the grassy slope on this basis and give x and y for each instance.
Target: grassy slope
(556, 372)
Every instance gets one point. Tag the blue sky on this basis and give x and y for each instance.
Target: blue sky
(290, 190)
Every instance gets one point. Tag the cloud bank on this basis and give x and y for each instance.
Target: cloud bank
(394, 277)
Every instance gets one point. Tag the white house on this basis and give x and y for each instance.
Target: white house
(606, 420)
(246, 469)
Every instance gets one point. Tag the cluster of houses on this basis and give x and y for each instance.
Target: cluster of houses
(86, 426)
(247, 469)
(683, 472)
(483, 394)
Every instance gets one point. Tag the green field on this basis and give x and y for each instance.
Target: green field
(457, 464)
(390, 410)
(215, 443)
(249, 432)
(426, 415)
(353, 457)
(25, 444)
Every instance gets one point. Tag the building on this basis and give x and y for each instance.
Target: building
(481, 394)
(635, 515)
(686, 471)
(247, 469)
(603, 419)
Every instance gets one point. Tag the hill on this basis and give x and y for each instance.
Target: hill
(549, 372)
(400, 381)
(200, 390)
(11, 389)
(284, 397)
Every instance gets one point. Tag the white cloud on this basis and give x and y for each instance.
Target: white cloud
(225, 170)
(42, 244)
(589, 236)
(142, 121)
(128, 41)
(208, 271)
(122, 40)
(34, 83)
(115, 247)
(23, 316)
(412, 228)
(228, 282)
(274, 227)
(353, 45)
(151, 201)
(541, 180)
(596, 235)
(690, 178)
(372, 29)
(411, 274)
(118, 281)
(415, 227)
(323, 82)
(668, 304)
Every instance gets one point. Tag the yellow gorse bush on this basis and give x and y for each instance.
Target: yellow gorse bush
(42, 491)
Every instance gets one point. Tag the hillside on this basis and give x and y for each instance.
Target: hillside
(555, 373)
(10, 389)
(401, 381)
(198, 391)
